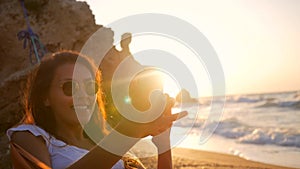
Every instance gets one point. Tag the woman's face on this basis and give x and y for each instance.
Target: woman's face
(75, 109)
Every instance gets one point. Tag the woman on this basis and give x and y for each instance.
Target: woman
(59, 105)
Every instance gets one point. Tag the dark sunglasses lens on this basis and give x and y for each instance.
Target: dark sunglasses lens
(69, 88)
(91, 88)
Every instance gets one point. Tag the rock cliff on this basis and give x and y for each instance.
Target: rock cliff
(184, 97)
(60, 24)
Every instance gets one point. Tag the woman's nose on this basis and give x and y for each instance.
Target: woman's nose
(81, 97)
(81, 92)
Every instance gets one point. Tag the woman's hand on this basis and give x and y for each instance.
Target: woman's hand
(159, 125)
(162, 139)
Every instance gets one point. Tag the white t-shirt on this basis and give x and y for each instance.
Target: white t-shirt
(62, 155)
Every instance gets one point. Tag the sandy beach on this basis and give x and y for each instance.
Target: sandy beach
(192, 159)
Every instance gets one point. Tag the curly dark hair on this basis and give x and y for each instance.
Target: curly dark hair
(38, 85)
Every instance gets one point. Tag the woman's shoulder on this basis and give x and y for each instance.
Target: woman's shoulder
(28, 128)
(32, 139)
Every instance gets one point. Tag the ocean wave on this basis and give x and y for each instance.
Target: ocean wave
(234, 129)
(281, 137)
(274, 103)
(248, 100)
(244, 99)
(288, 99)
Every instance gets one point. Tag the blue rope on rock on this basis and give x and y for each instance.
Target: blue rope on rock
(28, 36)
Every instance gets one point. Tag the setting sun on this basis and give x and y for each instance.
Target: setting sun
(171, 86)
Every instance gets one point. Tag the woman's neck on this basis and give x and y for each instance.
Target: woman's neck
(70, 134)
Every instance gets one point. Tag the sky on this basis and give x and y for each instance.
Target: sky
(257, 41)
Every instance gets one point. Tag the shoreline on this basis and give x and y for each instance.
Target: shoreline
(184, 158)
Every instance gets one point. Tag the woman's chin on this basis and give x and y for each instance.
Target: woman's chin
(83, 117)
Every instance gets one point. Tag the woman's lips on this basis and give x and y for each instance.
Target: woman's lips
(80, 107)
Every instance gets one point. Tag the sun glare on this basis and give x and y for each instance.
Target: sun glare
(171, 86)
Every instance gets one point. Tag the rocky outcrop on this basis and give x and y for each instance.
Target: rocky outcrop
(184, 97)
(60, 24)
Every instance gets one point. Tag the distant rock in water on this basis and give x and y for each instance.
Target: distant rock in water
(185, 97)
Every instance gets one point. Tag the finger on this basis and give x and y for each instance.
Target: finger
(169, 105)
(179, 115)
(170, 100)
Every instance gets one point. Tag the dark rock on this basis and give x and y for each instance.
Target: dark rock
(60, 24)
(184, 97)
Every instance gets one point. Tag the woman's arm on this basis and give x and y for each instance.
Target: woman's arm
(108, 151)
(35, 145)
(124, 136)
(111, 148)
(104, 155)
(98, 157)
(165, 160)
(162, 142)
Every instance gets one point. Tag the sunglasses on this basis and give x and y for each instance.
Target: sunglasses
(72, 87)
